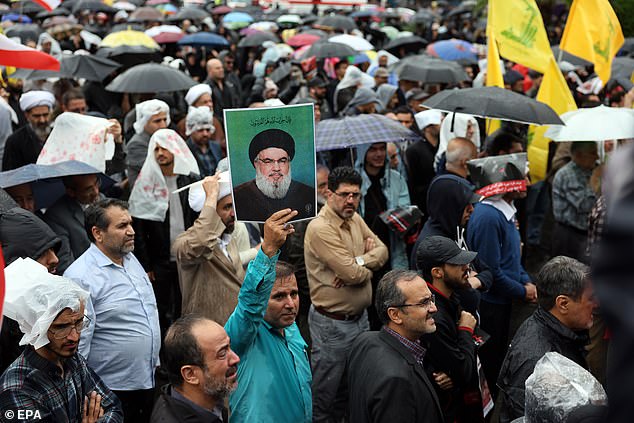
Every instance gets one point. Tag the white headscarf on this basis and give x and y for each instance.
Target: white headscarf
(34, 298)
(199, 118)
(150, 197)
(455, 125)
(147, 109)
(195, 92)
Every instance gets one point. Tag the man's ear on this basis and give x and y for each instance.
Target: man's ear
(190, 375)
(437, 273)
(97, 234)
(394, 315)
(562, 303)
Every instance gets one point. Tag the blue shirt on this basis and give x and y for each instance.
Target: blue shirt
(122, 343)
(274, 375)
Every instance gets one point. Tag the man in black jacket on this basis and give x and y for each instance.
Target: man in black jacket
(449, 205)
(560, 324)
(386, 377)
(202, 370)
(452, 348)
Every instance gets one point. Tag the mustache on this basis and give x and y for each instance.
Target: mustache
(231, 371)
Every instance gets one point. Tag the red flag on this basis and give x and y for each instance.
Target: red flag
(20, 56)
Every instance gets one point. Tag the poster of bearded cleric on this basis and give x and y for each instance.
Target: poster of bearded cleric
(272, 161)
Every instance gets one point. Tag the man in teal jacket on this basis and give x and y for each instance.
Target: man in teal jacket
(274, 375)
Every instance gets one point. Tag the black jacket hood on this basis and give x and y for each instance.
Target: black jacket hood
(23, 234)
(447, 197)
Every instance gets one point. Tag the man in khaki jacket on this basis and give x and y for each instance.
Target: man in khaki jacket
(341, 254)
(207, 257)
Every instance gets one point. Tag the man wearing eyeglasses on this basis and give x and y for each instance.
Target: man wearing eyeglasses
(341, 254)
(50, 381)
(271, 153)
(385, 368)
(451, 349)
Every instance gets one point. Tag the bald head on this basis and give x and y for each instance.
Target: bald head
(459, 151)
(215, 70)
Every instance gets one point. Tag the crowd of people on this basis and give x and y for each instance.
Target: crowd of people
(122, 306)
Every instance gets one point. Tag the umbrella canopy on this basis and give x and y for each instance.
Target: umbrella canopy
(334, 22)
(130, 55)
(412, 43)
(221, 10)
(146, 13)
(325, 49)
(280, 72)
(453, 50)
(126, 26)
(570, 58)
(494, 102)
(167, 9)
(236, 20)
(89, 67)
(60, 11)
(25, 32)
(289, 20)
(129, 38)
(432, 72)
(622, 67)
(264, 26)
(302, 39)
(124, 5)
(362, 129)
(58, 20)
(627, 48)
(168, 37)
(46, 180)
(594, 124)
(151, 78)
(156, 30)
(257, 39)
(424, 16)
(93, 6)
(191, 13)
(6, 202)
(204, 39)
(357, 43)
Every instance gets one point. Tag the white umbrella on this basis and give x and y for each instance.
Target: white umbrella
(156, 30)
(594, 124)
(124, 5)
(357, 43)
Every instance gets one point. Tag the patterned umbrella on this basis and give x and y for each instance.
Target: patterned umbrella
(362, 129)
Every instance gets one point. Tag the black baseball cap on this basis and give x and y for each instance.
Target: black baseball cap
(439, 249)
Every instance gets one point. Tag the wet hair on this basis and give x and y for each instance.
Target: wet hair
(388, 293)
(343, 175)
(561, 276)
(95, 214)
(181, 348)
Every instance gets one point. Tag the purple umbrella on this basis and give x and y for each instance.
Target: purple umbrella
(453, 50)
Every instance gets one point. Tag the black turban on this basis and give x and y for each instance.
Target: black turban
(272, 138)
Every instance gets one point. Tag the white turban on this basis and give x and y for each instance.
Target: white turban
(147, 109)
(33, 99)
(199, 118)
(150, 197)
(195, 92)
(427, 117)
(34, 298)
(197, 194)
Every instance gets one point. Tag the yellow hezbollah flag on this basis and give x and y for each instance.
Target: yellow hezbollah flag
(494, 76)
(520, 33)
(593, 32)
(554, 91)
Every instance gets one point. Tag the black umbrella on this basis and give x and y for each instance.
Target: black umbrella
(28, 8)
(622, 67)
(151, 78)
(309, 19)
(627, 49)
(6, 202)
(343, 23)
(432, 73)
(281, 72)
(570, 58)
(93, 6)
(129, 56)
(257, 39)
(60, 11)
(191, 13)
(91, 68)
(126, 26)
(424, 16)
(323, 50)
(494, 102)
(412, 43)
(25, 32)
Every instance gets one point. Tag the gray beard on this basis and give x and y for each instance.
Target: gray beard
(273, 190)
(42, 132)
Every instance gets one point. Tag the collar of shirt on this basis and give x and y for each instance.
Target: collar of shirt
(417, 350)
(203, 413)
(330, 214)
(103, 260)
(223, 242)
(507, 209)
(44, 365)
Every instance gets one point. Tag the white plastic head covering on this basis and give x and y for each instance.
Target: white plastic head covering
(150, 197)
(195, 92)
(34, 298)
(33, 99)
(428, 117)
(78, 137)
(354, 77)
(455, 125)
(45, 37)
(147, 109)
(197, 195)
(273, 102)
(199, 118)
(391, 59)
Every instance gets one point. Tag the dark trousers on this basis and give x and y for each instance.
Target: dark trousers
(570, 242)
(137, 405)
(168, 294)
(494, 320)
